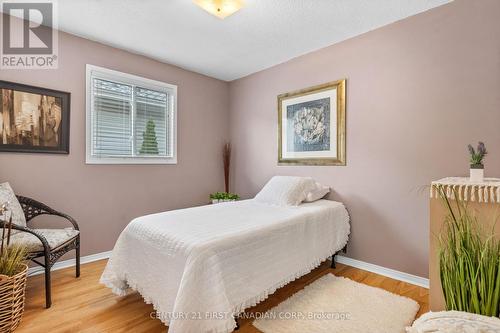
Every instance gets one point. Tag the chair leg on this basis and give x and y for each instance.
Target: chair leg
(78, 257)
(48, 299)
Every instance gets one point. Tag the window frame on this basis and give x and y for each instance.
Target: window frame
(134, 80)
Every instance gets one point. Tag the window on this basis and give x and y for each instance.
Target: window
(130, 120)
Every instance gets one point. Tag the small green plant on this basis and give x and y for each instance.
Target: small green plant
(477, 155)
(11, 255)
(149, 141)
(11, 259)
(469, 261)
(224, 196)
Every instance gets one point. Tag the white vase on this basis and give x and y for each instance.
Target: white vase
(476, 175)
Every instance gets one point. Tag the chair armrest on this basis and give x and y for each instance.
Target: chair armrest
(29, 230)
(33, 208)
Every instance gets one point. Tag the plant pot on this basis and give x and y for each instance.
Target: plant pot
(12, 291)
(476, 175)
(216, 201)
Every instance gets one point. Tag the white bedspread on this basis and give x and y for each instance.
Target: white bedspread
(199, 266)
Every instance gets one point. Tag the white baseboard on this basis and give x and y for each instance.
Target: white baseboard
(70, 263)
(396, 275)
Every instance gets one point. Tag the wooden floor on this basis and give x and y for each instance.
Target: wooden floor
(83, 305)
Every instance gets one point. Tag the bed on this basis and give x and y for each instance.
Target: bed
(201, 266)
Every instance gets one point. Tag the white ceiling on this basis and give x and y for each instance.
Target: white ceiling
(262, 34)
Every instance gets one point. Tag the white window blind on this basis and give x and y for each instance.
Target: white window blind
(112, 119)
(129, 119)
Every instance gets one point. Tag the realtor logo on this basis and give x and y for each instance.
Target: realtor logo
(29, 35)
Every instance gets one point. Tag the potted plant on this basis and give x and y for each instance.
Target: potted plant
(469, 261)
(223, 197)
(226, 161)
(476, 162)
(13, 275)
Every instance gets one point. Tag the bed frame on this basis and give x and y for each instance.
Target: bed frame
(332, 265)
(344, 250)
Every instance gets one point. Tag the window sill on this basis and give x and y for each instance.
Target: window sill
(137, 161)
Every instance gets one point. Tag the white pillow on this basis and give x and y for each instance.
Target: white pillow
(15, 209)
(319, 192)
(285, 190)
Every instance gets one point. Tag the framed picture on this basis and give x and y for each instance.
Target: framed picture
(311, 125)
(33, 120)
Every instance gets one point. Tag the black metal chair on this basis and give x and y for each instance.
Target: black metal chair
(48, 243)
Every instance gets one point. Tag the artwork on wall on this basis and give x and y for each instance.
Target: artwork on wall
(311, 126)
(33, 120)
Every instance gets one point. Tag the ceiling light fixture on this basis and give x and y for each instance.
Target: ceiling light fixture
(220, 8)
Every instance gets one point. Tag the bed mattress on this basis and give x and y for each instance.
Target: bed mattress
(201, 266)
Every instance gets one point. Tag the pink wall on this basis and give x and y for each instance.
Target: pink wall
(418, 91)
(104, 198)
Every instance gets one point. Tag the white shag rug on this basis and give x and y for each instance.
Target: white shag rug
(340, 305)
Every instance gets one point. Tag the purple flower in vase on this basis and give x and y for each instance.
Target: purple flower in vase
(477, 155)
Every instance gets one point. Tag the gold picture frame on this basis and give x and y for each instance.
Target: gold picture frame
(317, 133)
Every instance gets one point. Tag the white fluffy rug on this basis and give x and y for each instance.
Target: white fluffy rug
(337, 304)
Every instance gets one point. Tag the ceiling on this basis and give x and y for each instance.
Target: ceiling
(262, 34)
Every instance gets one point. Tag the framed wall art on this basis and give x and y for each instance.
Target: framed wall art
(33, 120)
(311, 125)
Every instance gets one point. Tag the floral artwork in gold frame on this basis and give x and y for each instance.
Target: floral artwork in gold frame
(311, 125)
